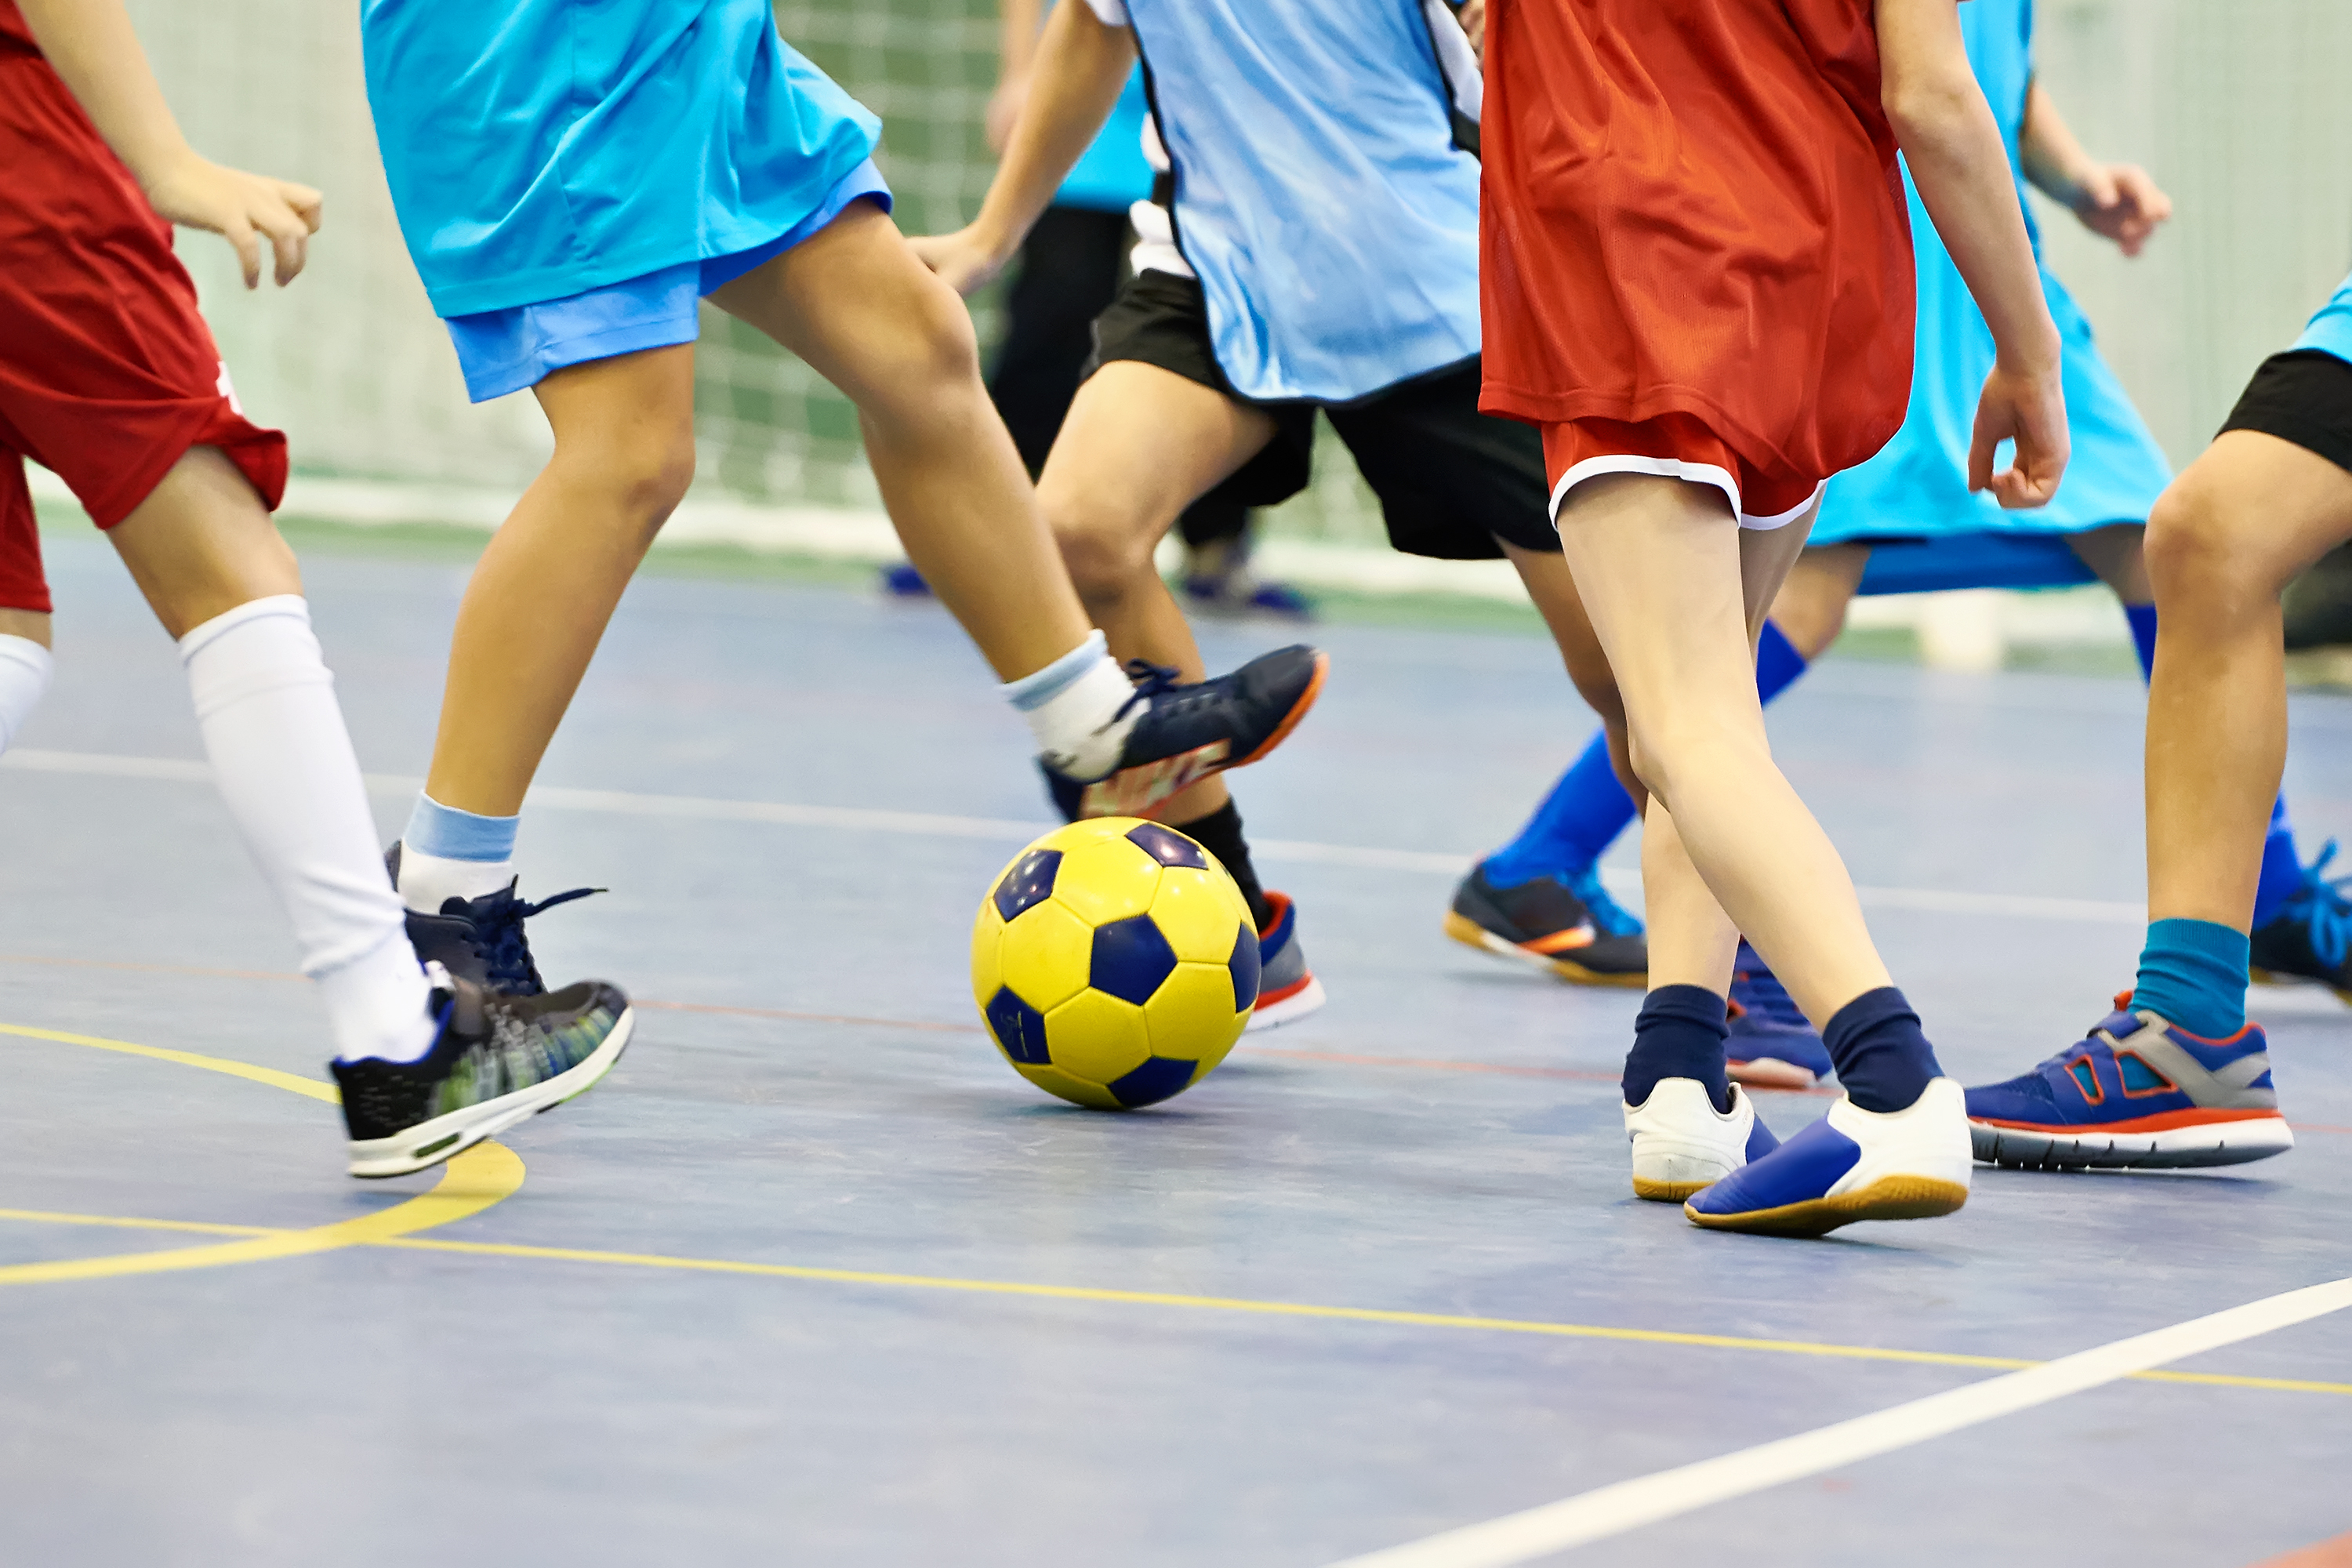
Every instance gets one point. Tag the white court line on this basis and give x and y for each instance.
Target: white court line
(1609, 1511)
(932, 825)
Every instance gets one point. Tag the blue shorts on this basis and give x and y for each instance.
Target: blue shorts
(505, 351)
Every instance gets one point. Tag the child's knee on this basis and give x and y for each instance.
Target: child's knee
(1101, 548)
(2207, 549)
(647, 467)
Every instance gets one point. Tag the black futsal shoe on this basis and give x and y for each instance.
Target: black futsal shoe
(1187, 733)
(2310, 938)
(481, 940)
(499, 1060)
(1541, 922)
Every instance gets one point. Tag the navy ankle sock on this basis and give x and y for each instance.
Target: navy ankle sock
(1883, 1059)
(1679, 1034)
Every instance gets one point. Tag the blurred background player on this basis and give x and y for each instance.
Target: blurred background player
(2175, 1075)
(1342, 277)
(109, 377)
(1707, 324)
(1905, 522)
(1068, 269)
(569, 182)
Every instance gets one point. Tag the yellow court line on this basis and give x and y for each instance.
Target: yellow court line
(294, 1082)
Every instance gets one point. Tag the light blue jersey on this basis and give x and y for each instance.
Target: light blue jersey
(1320, 195)
(2330, 331)
(539, 149)
(1917, 488)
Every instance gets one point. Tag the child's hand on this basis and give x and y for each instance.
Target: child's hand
(2121, 202)
(2029, 407)
(959, 258)
(241, 208)
(1473, 18)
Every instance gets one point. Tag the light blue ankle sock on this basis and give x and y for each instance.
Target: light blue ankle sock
(450, 834)
(2193, 973)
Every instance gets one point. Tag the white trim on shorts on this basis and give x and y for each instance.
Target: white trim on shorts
(1676, 469)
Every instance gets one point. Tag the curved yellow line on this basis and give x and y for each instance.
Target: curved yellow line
(471, 1183)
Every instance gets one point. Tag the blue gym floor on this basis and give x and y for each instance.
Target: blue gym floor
(943, 1347)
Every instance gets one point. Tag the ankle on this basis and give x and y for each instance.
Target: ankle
(1883, 1058)
(1680, 1033)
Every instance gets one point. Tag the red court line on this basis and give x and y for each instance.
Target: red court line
(1337, 1058)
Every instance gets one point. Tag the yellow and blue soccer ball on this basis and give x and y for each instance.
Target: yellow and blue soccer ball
(1115, 962)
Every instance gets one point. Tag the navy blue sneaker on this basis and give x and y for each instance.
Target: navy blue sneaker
(1613, 918)
(2311, 936)
(1543, 922)
(1287, 989)
(1852, 1165)
(903, 582)
(480, 941)
(1187, 733)
(1239, 592)
(2135, 1092)
(1772, 1044)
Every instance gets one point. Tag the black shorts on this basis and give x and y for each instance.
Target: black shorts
(2305, 396)
(1451, 480)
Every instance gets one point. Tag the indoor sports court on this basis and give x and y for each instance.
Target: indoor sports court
(813, 1277)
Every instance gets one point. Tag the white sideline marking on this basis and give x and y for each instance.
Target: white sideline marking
(1613, 1509)
(933, 825)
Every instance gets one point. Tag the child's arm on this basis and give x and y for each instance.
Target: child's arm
(2117, 200)
(1949, 138)
(1080, 68)
(1016, 52)
(91, 46)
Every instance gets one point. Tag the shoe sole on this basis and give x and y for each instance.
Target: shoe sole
(1889, 1197)
(1470, 933)
(1667, 1192)
(1290, 720)
(1770, 1072)
(1305, 997)
(2287, 977)
(2235, 1142)
(428, 1143)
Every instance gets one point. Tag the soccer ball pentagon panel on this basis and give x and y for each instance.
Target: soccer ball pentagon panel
(1114, 962)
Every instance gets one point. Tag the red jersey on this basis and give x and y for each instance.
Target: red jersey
(1692, 206)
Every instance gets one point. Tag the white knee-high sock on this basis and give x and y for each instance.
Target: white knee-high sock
(283, 762)
(25, 666)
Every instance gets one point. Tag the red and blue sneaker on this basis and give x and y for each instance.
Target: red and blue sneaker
(2136, 1092)
(1287, 989)
(1186, 732)
(2310, 938)
(1852, 1165)
(1772, 1044)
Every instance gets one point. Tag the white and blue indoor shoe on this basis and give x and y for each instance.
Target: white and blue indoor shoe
(1852, 1165)
(1682, 1143)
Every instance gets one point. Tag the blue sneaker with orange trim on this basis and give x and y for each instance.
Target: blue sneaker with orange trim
(2136, 1092)
(1852, 1165)
(1772, 1044)
(1287, 989)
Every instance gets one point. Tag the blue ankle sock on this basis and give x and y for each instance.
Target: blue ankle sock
(2282, 866)
(453, 834)
(1883, 1059)
(1588, 808)
(2193, 973)
(1679, 1034)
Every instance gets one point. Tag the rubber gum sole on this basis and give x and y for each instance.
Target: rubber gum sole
(428, 1143)
(1470, 933)
(1667, 1192)
(1889, 1197)
(2236, 1143)
(1290, 720)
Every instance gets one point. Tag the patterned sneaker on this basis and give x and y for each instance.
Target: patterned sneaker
(2135, 1092)
(1287, 989)
(1852, 1165)
(1187, 733)
(1683, 1144)
(2311, 936)
(481, 940)
(1772, 1044)
(1543, 923)
(499, 1060)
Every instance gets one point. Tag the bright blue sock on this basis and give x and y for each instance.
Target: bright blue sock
(2193, 973)
(2281, 864)
(1679, 1033)
(1588, 808)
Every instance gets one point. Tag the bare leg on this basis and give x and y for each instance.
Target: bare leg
(2224, 540)
(202, 543)
(1810, 607)
(1675, 590)
(854, 303)
(1140, 445)
(1553, 588)
(33, 625)
(2115, 554)
(623, 455)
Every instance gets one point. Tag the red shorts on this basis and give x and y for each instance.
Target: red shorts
(1672, 445)
(108, 374)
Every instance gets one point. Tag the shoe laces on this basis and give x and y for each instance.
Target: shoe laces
(1607, 913)
(1155, 681)
(2325, 909)
(506, 951)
